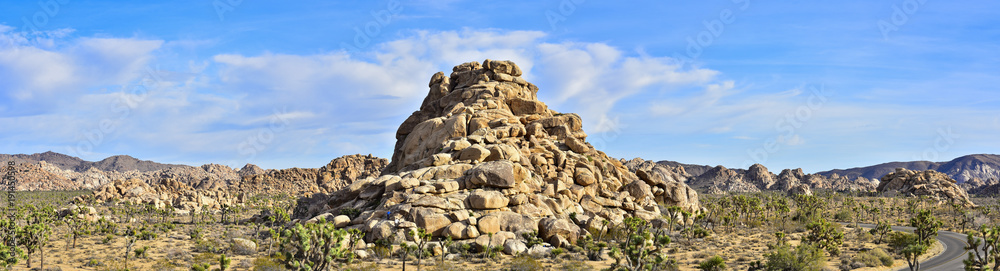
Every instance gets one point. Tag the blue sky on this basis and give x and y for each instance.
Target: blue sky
(811, 84)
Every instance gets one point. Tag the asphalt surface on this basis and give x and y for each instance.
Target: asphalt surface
(949, 260)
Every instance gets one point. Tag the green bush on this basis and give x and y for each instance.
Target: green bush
(803, 257)
(874, 258)
(315, 246)
(715, 263)
(843, 215)
(268, 264)
(142, 252)
(207, 245)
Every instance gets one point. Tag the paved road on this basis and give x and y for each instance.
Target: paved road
(949, 260)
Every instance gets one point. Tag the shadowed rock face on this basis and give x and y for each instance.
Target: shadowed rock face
(483, 155)
(930, 183)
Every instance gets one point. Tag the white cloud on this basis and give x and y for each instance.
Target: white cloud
(329, 102)
(39, 66)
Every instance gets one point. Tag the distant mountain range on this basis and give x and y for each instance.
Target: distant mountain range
(962, 169)
(119, 163)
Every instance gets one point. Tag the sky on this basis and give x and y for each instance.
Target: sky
(816, 85)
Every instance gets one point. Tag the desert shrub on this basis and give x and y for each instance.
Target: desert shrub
(105, 226)
(268, 264)
(145, 234)
(531, 239)
(92, 263)
(715, 263)
(142, 252)
(446, 266)
(874, 258)
(195, 233)
(803, 257)
(201, 267)
(164, 264)
(556, 252)
(697, 231)
(524, 263)
(315, 246)
(575, 266)
(205, 257)
(107, 239)
(842, 215)
(208, 245)
(382, 248)
(825, 235)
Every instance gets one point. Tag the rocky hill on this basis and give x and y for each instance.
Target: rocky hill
(214, 185)
(484, 155)
(720, 180)
(929, 183)
(121, 163)
(962, 169)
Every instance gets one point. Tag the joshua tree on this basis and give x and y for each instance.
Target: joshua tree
(881, 230)
(77, 226)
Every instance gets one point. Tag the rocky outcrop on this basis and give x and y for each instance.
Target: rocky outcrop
(220, 185)
(181, 196)
(250, 169)
(483, 155)
(337, 174)
(757, 178)
(38, 177)
(723, 180)
(929, 183)
(666, 179)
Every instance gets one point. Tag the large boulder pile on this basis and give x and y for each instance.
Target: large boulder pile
(484, 155)
(222, 186)
(38, 177)
(167, 192)
(721, 180)
(672, 178)
(337, 174)
(929, 183)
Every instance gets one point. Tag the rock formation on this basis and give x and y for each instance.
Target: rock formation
(672, 180)
(721, 180)
(337, 174)
(220, 185)
(483, 155)
(929, 183)
(38, 177)
(181, 196)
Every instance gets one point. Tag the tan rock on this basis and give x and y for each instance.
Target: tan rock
(483, 199)
(474, 153)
